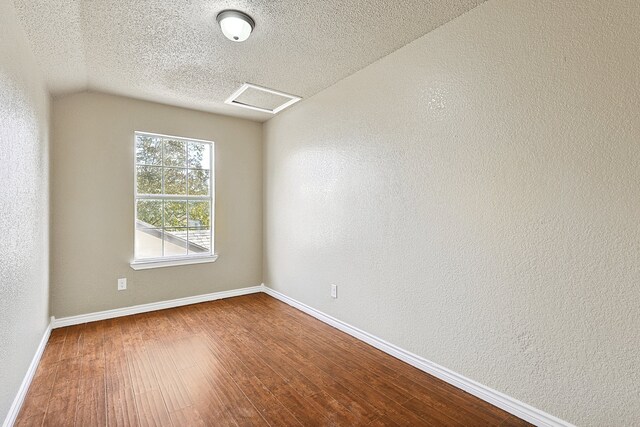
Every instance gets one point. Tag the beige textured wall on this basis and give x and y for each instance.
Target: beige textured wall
(92, 203)
(476, 198)
(24, 206)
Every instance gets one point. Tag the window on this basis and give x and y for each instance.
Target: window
(173, 201)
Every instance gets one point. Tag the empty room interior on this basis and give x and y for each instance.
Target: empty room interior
(320, 213)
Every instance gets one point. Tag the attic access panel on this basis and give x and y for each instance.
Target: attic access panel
(260, 98)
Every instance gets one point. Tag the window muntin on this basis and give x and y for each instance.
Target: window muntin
(173, 197)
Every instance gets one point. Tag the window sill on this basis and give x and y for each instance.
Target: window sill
(158, 263)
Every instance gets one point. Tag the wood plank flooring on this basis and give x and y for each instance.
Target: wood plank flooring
(245, 361)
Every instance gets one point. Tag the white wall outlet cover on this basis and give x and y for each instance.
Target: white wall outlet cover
(122, 284)
(334, 291)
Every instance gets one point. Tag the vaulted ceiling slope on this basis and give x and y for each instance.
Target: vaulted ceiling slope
(174, 52)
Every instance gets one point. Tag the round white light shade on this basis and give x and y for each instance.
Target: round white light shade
(235, 25)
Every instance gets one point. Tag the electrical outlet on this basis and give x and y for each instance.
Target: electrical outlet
(334, 291)
(122, 284)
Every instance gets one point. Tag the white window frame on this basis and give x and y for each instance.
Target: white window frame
(169, 261)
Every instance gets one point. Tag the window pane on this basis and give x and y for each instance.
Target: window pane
(199, 182)
(175, 153)
(199, 155)
(199, 240)
(199, 214)
(175, 241)
(175, 181)
(175, 213)
(149, 213)
(148, 242)
(149, 180)
(173, 197)
(148, 150)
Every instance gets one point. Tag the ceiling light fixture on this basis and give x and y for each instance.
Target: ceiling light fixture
(236, 26)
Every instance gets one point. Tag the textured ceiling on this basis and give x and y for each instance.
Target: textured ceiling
(174, 52)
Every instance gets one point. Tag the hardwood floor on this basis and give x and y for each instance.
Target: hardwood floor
(245, 361)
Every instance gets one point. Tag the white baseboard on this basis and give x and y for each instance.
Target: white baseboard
(509, 404)
(144, 308)
(14, 410)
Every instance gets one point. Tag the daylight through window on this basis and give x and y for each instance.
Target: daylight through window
(173, 197)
